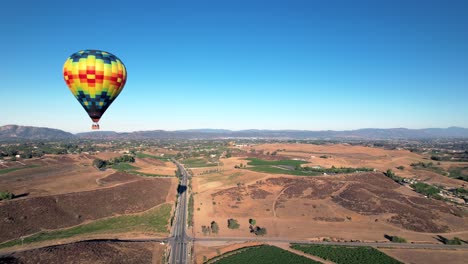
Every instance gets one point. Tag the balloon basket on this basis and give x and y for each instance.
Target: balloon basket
(95, 126)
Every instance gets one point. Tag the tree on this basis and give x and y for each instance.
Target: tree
(252, 222)
(214, 227)
(390, 173)
(26, 155)
(99, 163)
(260, 231)
(233, 224)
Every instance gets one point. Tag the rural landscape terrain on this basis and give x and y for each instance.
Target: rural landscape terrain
(199, 197)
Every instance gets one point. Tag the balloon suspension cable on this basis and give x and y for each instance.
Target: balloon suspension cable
(95, 126)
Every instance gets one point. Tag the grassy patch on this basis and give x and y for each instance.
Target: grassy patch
(144, 174)
(259, 162)
(7, 170)
(124, 166)
(277, 170)
(154, 220)
(426, 189)
(261, 255)
(278, 167)
(460, 173)
(429, 166)
(198, 163)
(128, 168)
(347, 254)
(144, 155)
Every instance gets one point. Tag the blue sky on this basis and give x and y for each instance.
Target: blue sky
(313, 65)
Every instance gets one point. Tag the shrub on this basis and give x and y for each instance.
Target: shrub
(214, 227)
(260, 231)
(396, 239)
(6, 196)
(233, 224)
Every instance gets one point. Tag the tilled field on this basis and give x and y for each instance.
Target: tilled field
(87, 252)
(30, 215)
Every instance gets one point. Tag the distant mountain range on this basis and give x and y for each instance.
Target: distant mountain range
(12, 132)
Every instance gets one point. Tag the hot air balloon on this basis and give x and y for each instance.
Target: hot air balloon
(95, 78)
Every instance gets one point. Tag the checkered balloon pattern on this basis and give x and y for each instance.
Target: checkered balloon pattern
(95, 78)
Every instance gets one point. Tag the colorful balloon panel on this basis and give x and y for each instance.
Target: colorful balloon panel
(95, 78)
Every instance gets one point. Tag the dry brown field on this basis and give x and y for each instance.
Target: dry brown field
(58, 174)
(91, 252)
(66, 190)
(155, 166)
(364, 206)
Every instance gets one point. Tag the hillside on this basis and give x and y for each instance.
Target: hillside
(14, 132)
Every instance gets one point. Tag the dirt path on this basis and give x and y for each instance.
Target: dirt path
(286, 247)
(276, 199)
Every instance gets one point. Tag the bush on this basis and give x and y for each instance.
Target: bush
(233, 224)
(6, 196)
(454, 241)
(260, 231)
(124, 158)
(426, 189)
(396, 239)
(252, 221)
(214, 227)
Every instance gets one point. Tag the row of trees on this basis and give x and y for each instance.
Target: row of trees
(103, 164)
(333, 169)
(234, 224)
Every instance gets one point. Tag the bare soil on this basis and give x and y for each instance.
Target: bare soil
(90, 252)
(30, 215)
(363, 206)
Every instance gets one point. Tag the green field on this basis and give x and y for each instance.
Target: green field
(273, 167)
(261, 255)
(7, 170)
(128, 168)
(144, 174)
(144, 155)
(346, 254)
(198, 163)
(276, 170)
(124, 166)
(154, 220)
(259, 162)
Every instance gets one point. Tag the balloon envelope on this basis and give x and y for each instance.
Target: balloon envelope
(95, 78)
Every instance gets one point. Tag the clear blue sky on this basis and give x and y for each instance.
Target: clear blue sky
(242, 64)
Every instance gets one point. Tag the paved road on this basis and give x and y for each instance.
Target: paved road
(370, 244)
(179, 238)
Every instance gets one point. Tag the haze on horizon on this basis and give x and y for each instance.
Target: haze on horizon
(244, 64)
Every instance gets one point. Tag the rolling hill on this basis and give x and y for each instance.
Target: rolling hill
(14, 132)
